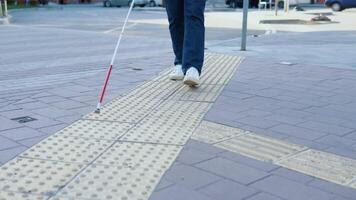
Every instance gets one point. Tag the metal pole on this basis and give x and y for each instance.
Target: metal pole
(1, 14)
(276, 7)
(244, 25)
(5, 7)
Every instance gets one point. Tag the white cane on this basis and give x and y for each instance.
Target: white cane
(113, 59)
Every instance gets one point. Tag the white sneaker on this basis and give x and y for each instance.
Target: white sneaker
(192, 77)
(177, 73)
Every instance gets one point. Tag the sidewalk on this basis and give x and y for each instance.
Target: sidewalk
(275, 122)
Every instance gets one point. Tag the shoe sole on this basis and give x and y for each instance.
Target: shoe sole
(191, 83)
(176, 78)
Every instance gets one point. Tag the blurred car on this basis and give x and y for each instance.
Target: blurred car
(339, 5)
(154, 3)
(239, 3)
(109, 3)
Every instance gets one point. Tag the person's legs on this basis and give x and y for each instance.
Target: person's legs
(194, 35)
(175, 11)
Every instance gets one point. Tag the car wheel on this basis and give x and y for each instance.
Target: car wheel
(336, 7)
(107, 4)
(152, 4)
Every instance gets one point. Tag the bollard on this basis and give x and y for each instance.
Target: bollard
(244, 25)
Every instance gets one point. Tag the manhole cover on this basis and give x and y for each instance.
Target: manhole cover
(24, 119)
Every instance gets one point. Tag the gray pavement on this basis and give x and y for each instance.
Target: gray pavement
(307, 100)
(52, 70)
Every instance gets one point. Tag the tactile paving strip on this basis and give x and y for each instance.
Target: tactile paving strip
(203, 93)
(260, 148)
(210, 132)
(215, 74)
(127, 171)
(137, 155)
(20, 196)
(169, 124)
(96, 129)
(38, 177)
(67, 149)
(323, 165)
(137, 104)
(327, 166)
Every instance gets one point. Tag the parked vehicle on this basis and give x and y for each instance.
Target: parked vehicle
(254, 3)
(239, 3)
(339, 5)
(109, 3)
(154, 3)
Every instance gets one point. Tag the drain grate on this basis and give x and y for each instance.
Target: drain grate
(24, 119)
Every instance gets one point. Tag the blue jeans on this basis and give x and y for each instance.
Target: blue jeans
(186, 25)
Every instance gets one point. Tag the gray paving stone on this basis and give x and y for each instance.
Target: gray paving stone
(227, 190)
(264, 166)
(189, 176)
(164, 183)
(32, 141)
(292, 113)
(41, 122)
(8, 154)
(51, 99)
(351, 136)
(286, 119)
(264, 196)
(232, 170)
(326, 186)
(342, 151)
(53, 129)
(33, 105)
(191, 156)
(52, 112)
(204, 147)
(259, 122)
(298, 132)
(8, 124)
(69, 119)
(292, 175)
(178, 192)
(20, 133)
(68, 104)
(290, 190)
(16, 113)
(6, 143)
(326, 127)
(336, 141)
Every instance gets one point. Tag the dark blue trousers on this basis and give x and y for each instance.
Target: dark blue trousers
(186, 25)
